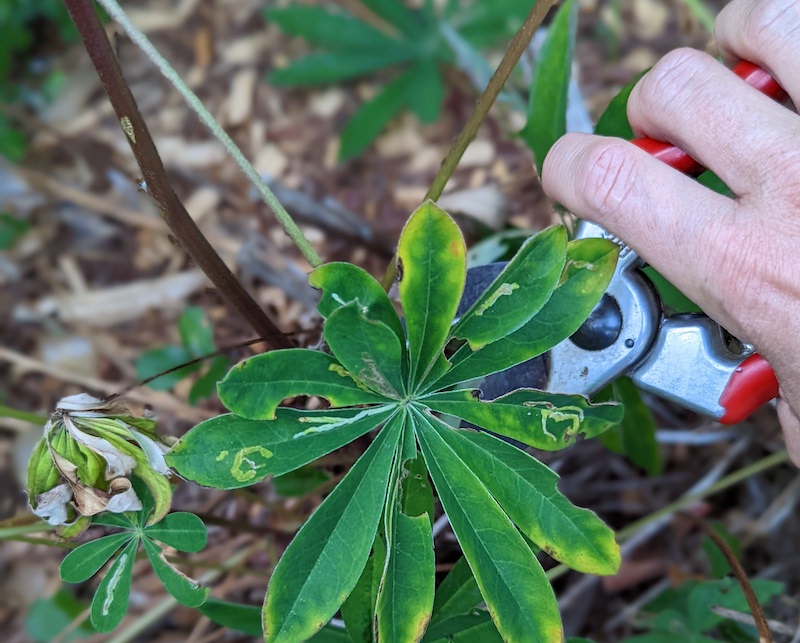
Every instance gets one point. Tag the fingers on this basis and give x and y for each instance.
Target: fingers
(765, 32)
(693, 101)
(666, 217)
(791, 430)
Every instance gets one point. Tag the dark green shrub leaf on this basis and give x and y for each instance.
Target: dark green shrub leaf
(518, 293)
(110, 602)
(324, 561)
(330, 68)
(299, 482)
(546, 421)
(547, 109)
(49, 618)
(206, 384)
(85, 561)
(181, 530)
(457, 595)
(368, 349)
(476, 627)
(527, 491)
(511, 580)
(373, 116)
(11, 230)
(227, 452)
(614, 120)
(334, 29)
(254, 387)
(406, 598)
(185, 590)
(343, 283)
(589, 268)
(431, 259)
(12, 141)
(395, 13)
(358, 611)
(162, 359)
(416, 494)
(426, 93)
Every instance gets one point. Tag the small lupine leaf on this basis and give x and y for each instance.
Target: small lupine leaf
(476, 627)
(395, 13)
(366, 348)
(255, 387)
(416, 492)
(300, 482)
(323, 68)
(527, 491)
(545, 421)
(342, 283)
(589, 268)
(121, 521)
(519, 292)
(110, 602)
(181, 530)
(457, 595)
(426, 93)
(85, 561)
(185, 590)
(511, 580)
(323, 563)
(431, 260)
(406, 598)
(197, 335)
(228, 452)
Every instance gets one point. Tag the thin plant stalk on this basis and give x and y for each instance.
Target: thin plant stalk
(195, 104)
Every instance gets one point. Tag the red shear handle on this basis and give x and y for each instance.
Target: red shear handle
(680, 160)
(751, 385)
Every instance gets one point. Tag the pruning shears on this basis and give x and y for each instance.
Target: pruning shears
(686, 358)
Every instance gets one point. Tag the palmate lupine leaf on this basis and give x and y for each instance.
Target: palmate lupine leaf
(110, 602)
(394, 379)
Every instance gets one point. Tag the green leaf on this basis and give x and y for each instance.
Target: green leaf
(527, 491)
(636, 432)
(511, 580)
(614, 120)
(476, 627)
(206, 384)
(12, 141)
(196, 333)
(330, 634)
(185, 590)
(673, 300)
(431, 266)
(416, 497)
(121, 521)
(181, 530)
(256, 386)
(547, 109)
(518, 293)
(373, 116)
(48, 618)
(395, 13)
(406, 598)
(324, 561)
(358, 611)
(457, 595)
(426, 93)
(11, 230)
(85, 561)
(342, 283)
(335, 29)
(590, 266)
(228, 452)
(724, 593)
(331, 68)
(547, 421)
(299, 482)
(368, 349)
(242, 618)
(719, 564)
(162, 359)
(110, 602)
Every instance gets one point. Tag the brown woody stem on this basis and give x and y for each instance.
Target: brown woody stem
(172, 210)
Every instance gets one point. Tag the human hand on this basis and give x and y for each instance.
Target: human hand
(736, 258)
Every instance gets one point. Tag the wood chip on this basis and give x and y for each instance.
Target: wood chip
(202, 202)
(480, 152)
(328, 103)
(240, 96)
(271, 160)
(486, 204)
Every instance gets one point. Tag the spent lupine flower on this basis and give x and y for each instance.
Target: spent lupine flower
(84, 463)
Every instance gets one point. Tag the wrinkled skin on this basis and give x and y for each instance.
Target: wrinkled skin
(737, 258)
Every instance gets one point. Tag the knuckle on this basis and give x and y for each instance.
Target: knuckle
(770, 20)
(671, 83)
(608, 177)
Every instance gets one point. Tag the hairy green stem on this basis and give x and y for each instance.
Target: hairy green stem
(283, 217)
(8, 412)
(498, 80)
(158, 186)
